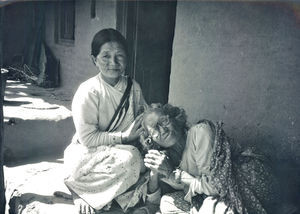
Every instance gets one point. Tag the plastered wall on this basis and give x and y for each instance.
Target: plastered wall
(75, 61)
(240, 63)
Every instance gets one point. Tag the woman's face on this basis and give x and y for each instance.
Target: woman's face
(161, 129)
(111, 60)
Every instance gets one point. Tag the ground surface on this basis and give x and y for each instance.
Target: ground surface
(30, 188)
(37, 127)
(37, 121)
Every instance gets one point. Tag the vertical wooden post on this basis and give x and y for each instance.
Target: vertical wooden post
(2, 188)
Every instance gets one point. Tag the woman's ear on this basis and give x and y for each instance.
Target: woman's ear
(93, 59)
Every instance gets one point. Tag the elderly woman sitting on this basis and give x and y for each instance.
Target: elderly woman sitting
(210, 177)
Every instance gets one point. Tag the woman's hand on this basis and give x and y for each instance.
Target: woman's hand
(158, 162)
(134, 130)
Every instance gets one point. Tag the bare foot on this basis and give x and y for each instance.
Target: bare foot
(83, 207)
(107, 206)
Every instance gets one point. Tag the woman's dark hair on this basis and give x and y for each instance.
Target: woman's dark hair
(104, 36)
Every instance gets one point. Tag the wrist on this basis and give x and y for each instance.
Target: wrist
(170, 175)
(153, 174)
(124, 138)
(178, 175)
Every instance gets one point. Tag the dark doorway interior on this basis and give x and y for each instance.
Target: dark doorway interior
(149, 29)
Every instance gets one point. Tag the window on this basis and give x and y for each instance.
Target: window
(93, 9)
(65, 22)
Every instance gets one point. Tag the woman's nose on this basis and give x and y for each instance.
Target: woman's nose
(154, 134)
(113, 60)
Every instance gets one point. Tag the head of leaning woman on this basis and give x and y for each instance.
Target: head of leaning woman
(166, 126)
(109, 53)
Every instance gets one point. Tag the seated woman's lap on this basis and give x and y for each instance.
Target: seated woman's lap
(102, 172)
(172, 203)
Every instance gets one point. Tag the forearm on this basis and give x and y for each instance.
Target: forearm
(153, 192)
(184, 177)
(97, 138)
(195, 185)
(178, 179)
(153, 182)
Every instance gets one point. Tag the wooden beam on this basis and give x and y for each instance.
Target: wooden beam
(2, 188)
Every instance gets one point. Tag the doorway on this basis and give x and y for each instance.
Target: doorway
(149, 29)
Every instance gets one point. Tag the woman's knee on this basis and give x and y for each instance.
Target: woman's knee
(171, 204)
(129, 155)
(167, 204)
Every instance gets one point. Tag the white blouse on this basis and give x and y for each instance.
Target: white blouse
(196, 160)
(93, 106)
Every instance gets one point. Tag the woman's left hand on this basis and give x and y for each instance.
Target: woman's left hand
(158, 162)
(134, 131)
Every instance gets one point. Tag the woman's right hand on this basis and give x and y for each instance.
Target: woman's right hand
(134, 130)
(158, 162)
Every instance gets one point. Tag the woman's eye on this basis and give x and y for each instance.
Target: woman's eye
(164, 129)
(120, 57)
(164, 121)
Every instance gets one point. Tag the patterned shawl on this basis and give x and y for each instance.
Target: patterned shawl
(244, 183)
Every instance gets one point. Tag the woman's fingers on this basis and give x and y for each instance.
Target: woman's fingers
(154, 152)
(91, 210)
(139, 131)
(82, 208)
(139, 117)
(136, 126)
(158, 162)
(153, 158)
(157, 168)
(88, 210)
(154, 162)
(151, 167)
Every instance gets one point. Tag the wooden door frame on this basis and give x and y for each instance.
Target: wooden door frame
(127, 12)
(2, 187)
(148, 27)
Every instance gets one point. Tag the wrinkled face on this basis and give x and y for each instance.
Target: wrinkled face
(161, 129)
(111, 60)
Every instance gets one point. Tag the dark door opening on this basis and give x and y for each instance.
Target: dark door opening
(149, 29)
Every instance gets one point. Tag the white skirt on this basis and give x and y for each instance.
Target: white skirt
(100, 174)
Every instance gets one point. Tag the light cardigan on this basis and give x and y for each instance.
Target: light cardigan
(93, 106)
(196, 160)
(98, 167)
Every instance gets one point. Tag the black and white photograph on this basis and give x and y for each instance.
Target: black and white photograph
(150, 107)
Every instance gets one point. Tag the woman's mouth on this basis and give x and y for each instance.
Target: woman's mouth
(114, 69)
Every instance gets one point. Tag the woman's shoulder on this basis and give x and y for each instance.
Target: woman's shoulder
(203, 126)
(136, 85)
(89, 86)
